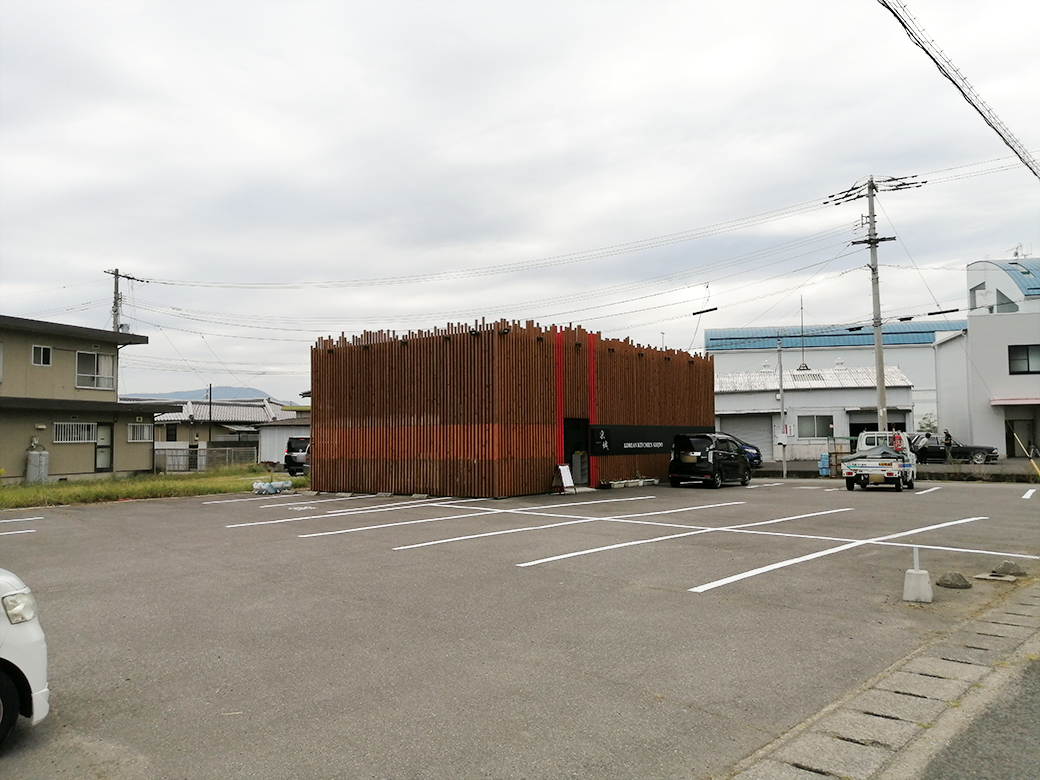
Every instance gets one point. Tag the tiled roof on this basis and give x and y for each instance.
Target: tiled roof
(814, 379)
(250, 411)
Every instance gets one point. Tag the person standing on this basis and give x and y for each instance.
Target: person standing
(922, 451)
(948, 444)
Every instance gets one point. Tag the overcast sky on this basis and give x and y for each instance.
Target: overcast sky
(275, 172)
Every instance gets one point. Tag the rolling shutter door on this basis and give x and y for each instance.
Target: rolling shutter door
(755, 429)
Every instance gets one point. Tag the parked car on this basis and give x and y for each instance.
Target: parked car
(711, 458)
(754, 454)
(297, 455)
(23, 656)
(934, 451)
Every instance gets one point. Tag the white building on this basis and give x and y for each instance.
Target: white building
(988, 375)
(822, 404)
(908, 346)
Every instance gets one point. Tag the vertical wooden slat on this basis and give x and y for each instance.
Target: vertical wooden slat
(478, 410)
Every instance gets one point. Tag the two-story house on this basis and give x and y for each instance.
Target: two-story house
(59, 396)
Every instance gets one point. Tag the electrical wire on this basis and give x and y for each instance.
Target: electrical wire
(268, 321)
(613, 250)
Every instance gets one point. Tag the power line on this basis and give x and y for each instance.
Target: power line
(954, 76)
(267, 321)
(718, 228)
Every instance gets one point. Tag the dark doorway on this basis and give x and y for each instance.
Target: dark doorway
(576, 447)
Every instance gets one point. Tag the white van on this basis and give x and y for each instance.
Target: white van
(869, 439)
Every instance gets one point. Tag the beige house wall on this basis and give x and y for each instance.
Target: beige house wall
(22, 379)
(69, 461)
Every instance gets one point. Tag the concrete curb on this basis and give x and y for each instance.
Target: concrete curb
(889, 728)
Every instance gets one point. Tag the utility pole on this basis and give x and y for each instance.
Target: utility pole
(117, 299)
(873, 240)
(783, 407)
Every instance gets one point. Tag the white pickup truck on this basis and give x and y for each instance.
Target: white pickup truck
(881, 458)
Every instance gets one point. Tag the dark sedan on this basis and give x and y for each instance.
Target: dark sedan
(932, 450)
(754, 454)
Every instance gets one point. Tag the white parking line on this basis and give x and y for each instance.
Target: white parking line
(816, 537)
(929, 490)
(764, 484)
(485, 510)
(938, 547)
(497, 533)
(21, 519)
(822, 553)
(251, 498)
(574, 521)
(358, 511)
(12, 533)
(479, 511)
(675, 536)
(1029, 493)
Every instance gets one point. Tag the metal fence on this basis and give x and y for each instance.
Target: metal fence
(203, 459)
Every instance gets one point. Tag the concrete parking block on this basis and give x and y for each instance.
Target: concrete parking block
(823, 754)
(891, 704)
(951, 670)
(776, 770)
(869, 729)
(928, 687)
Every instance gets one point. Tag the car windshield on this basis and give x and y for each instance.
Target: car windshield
(693, 443)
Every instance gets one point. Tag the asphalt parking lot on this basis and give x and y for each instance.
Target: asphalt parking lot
(640, 633)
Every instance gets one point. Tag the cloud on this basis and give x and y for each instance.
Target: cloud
(272, 142)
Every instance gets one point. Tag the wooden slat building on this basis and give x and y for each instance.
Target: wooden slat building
(489, 410)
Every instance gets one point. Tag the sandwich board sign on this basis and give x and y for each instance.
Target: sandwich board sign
(563, 478)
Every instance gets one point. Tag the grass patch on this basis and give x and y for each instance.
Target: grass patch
(89, 491)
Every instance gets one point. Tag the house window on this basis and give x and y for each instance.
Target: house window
(815, 426)
(95, 370)
(138, 432)
(1024, 359)
(171, 431)
(74, 432)
(41, 355)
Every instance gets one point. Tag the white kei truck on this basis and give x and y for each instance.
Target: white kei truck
(881, 458)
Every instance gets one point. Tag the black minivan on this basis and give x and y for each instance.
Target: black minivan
(297, 455)
(711, 458)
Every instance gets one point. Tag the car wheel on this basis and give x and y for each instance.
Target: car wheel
(8, 706)
(745, 477)
(910, 484)
(978, 457)
(899, 484)
(850, 483)
(674, 481)
(716, 480)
